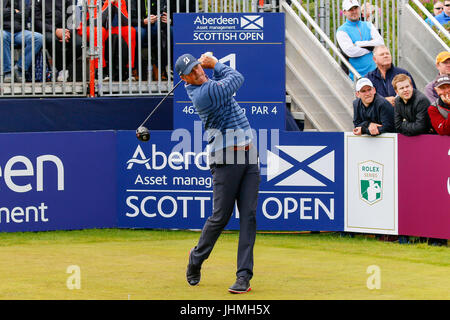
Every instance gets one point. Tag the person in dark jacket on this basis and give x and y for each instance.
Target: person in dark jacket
(385, 72)
(373, 114)
(12, 33)
(148, 19)
(58, 24)
(411, 108)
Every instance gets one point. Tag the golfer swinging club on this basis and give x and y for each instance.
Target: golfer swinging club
(233, 161)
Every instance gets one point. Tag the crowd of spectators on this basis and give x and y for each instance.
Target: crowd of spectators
(387, 99)
(57, 26)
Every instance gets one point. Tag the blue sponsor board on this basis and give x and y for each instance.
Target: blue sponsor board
(162, 183)
(166, 182)
(253, 44)
(302, 186)
(56, 181)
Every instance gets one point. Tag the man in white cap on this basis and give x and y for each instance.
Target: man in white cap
(373, 114)
(357, 38)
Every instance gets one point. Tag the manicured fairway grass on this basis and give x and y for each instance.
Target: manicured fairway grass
(151, 264)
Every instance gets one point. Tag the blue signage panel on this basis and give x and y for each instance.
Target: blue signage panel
(56, 181)
(166, 182)
(253, 44)
(302, 186)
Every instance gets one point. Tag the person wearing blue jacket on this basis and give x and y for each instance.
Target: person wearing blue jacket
(385, 72)
(233, 162)
(444, 17)
(357, 39)
(372, 114)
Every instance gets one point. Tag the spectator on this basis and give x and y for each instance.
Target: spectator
(150, 15)
(385, 72)
(444, 17)
(65, 38)
(369, 14)
(373, 114)
(438, 8)
(440, 108)
(357, 39)
(12, 33)
(411, 108)
(124, 31)
(148, 21)
(120, 32)
(95, 32)
(443, 67)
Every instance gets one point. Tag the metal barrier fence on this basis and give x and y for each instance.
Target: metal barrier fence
(93, 47)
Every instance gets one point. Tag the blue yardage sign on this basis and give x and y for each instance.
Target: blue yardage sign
(253, 44)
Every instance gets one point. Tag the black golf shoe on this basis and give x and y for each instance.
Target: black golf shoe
(193, 274)
(241, 285)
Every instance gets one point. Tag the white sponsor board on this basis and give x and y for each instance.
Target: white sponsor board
(371, 182)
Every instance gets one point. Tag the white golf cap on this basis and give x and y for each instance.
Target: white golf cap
(362, 83)
(348, 4)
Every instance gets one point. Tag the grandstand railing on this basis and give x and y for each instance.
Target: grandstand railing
(154, 77)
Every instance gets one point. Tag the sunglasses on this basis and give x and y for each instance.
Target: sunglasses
(446, 5)
(439, 8)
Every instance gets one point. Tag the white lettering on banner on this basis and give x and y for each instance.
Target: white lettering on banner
(18, 214)
(219, 20)
(9, 172)
(227, 36)
(149, 204)
(272, 208)
(159, 160)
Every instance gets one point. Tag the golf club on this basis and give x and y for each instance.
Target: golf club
(142, 133)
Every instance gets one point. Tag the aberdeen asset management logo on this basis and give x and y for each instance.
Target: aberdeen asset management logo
(302, 166)
(252, 22)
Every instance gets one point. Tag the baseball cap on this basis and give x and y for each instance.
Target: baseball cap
(442, 56)
(442, 79)
(362, 83)
(185, 63)
(348, 4)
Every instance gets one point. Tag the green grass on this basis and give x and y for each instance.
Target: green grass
(150, 264)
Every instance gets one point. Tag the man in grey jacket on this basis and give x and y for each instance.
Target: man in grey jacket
(411, 108)
(443, 67)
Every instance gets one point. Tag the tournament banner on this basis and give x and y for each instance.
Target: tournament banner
(57, 181)
(371, 204)
(424, 186)
(166, 182)
(251, 43)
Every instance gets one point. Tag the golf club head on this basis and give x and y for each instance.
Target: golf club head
(143, 134)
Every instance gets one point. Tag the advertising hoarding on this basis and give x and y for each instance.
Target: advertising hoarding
(371, 182)
(57, 180)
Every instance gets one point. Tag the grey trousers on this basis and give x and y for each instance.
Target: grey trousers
(232, 183)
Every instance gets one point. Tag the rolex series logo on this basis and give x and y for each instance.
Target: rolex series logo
(370, 175)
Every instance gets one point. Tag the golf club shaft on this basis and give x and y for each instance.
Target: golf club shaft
(148, 117)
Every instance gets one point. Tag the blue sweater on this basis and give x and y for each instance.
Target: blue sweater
(224, 120)
(359, 31)
(442, 18)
